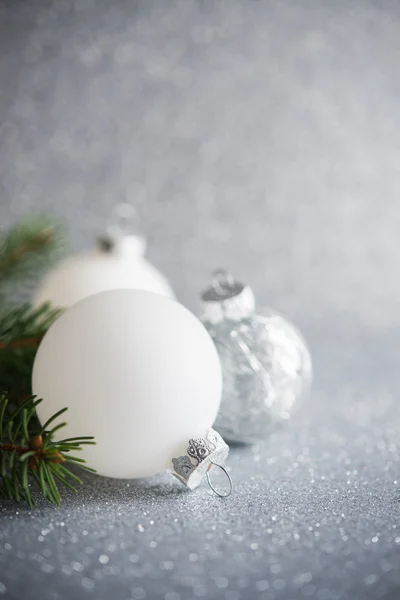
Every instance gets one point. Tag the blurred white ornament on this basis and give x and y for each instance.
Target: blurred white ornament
(266, 364)
(136, 370)
(117, 262)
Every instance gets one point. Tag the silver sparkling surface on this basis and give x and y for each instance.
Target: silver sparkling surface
(266, 369)
(263, 136)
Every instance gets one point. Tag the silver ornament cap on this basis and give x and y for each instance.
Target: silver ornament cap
(226, 299)
(118, 240)
(202, 454)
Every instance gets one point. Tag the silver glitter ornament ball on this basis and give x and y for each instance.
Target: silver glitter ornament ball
(265, 362)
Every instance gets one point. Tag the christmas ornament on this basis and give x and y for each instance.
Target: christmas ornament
(137, 371)
(266, 364)
(117, 262)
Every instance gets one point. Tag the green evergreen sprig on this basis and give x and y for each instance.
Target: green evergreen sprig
(27, 250)
(21, 331)
(30, 455)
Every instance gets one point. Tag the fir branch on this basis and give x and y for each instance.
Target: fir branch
(21, 331)
(27, 250)
(29, 342)
(31, 455)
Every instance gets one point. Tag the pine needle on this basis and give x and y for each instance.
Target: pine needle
(21, 331)
(30, 456)
(27, 250)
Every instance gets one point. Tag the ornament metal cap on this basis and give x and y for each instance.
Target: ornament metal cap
(226, 299)
(121, 245)
(118, 238)
(202, 455)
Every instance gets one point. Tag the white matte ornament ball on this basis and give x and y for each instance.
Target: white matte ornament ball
(136, 370)
(122, 266)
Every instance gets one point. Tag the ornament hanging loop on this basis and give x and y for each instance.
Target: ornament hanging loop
(223, 281)
(125, 218)
(229, 492)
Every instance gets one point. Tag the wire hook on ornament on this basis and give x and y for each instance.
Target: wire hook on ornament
(230, 490)
(222, 281)
(125, 219)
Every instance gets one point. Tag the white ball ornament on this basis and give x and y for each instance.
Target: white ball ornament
(136, 370)
(117, 262)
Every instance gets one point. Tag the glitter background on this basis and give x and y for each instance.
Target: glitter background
(264, 137)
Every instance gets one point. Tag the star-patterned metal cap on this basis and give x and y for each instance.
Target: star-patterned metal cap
(202, 454)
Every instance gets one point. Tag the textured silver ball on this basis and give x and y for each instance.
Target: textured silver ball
(266, 366)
